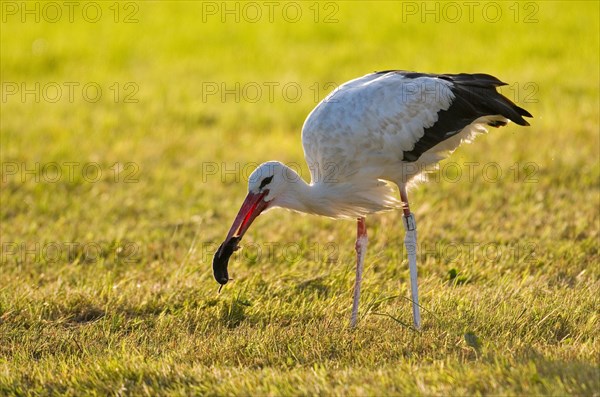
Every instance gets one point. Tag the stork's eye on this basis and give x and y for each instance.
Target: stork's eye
(265, 181)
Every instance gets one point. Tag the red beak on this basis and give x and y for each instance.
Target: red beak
(252, 206)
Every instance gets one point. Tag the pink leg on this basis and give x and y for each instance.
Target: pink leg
(361, 250)
(410, 241)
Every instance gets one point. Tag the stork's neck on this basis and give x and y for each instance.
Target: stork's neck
(297, 195)
(341, 199)
(326, 199)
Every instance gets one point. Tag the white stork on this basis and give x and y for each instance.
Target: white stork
(381, 129)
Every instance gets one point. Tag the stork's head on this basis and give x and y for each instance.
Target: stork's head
(265, 185)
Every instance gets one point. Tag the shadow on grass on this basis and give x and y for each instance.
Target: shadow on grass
(232, 311)
(577, 377)
(313, 286)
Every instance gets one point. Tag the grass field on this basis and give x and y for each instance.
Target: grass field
(127, 134)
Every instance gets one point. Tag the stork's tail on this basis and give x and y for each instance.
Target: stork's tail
(479, 90)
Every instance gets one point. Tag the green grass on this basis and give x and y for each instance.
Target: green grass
(106, 286)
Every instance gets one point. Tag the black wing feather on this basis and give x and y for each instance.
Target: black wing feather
(475, 97)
